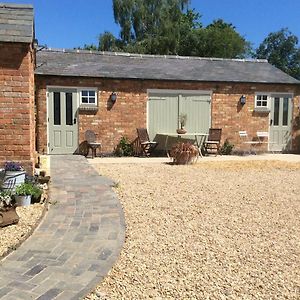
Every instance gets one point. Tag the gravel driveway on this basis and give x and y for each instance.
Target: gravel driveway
(224, 230)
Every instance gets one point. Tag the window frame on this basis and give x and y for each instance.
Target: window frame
(267, 107)
(88, 89)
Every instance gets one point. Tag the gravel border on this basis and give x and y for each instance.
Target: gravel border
(12, 236)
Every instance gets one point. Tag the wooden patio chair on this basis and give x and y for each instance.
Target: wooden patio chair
(213, 142)
(92, 144)
(146, 146)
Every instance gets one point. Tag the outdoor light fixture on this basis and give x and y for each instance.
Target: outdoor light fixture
(35, 44)
(243, 100)
(113, 97)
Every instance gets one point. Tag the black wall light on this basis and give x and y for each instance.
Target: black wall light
(113, 97)
(243, 100)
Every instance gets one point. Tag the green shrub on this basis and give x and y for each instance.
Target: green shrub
(28, 189)
(124, 147)
(227, 147)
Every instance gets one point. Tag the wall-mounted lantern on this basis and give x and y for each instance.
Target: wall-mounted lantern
(35, 44)
(113, 97)
(243, 100)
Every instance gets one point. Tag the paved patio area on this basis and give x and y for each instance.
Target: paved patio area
(77, 242)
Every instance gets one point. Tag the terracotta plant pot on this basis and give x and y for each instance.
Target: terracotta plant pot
(181, 131)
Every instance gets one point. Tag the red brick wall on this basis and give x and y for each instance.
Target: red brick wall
(129, 112)
(17, 128)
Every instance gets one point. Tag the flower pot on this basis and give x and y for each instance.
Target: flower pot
(12, 179)
(8, 216)
(22, 200)
(181, 131)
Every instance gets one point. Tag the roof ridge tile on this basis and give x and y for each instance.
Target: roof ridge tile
(126, 54)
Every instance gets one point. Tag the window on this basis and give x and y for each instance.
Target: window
(261, 101)
(88, 97)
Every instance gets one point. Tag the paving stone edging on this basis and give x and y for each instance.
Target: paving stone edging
(76, 244)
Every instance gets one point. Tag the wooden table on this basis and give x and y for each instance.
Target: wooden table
(198, 137)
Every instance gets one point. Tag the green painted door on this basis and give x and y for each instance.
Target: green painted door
(197, 109)
(280, 122)
(164, 109)
(162, 114)
(62, 121)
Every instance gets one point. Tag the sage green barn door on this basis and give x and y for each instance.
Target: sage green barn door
(164, 109)
(62, 121)
(197, 109)
(162, 114)
(280, 122)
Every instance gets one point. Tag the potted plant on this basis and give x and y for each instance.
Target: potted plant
(23, 194)
(14, 175)
(184, 153)
(8, 214)
(182, 120)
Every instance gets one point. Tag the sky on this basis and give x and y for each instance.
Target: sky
(73, 23)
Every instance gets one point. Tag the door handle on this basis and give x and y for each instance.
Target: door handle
(271, 122)
(74, 121)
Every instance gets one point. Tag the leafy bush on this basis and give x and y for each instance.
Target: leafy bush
(28, 188)
(227, 147)
(124, 147)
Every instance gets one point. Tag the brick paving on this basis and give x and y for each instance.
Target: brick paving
(76, 244)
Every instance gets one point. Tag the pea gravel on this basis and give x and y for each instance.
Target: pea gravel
(11, 236)
(221, 230)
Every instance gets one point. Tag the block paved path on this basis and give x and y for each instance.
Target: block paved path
(75, 245)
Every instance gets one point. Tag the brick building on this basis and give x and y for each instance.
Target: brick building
(17, 59)
(54, 101)
(153, 90)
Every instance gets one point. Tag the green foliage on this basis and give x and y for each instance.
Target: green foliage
(281, 50)
(227, 147)
(169, 27)
(124, 147)
(88, 47)
(108, 42)
(220, 39)
(28, 188)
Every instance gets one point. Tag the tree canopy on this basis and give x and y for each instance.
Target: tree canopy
(169, 27)
(281, 50)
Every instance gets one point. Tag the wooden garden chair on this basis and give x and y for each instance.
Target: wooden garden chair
(213, 143)
(92, 144)
(146, 146)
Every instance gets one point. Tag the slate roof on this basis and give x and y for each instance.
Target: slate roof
(136, 66)
(16, 23)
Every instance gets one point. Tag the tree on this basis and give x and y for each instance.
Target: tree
(139, 19)
(281, 50)
(169, 27)
(88, 47)
(108, 42)
(220, 39)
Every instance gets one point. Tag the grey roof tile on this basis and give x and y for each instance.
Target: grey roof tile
(131, 66)
(16, 23)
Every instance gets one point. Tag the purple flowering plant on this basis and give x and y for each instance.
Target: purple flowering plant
(13, 166)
